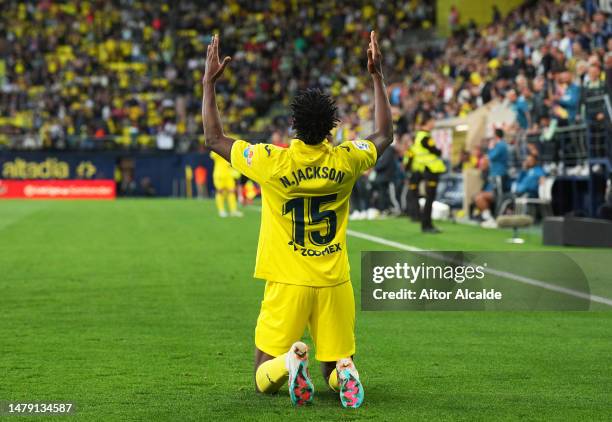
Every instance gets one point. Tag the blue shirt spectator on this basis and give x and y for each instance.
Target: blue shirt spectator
(520, 107)
(528, 180)
(570, 100)
(498, 158)
(498, 161)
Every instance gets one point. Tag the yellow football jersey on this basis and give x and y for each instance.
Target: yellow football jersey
(222, 169)
(305, 203)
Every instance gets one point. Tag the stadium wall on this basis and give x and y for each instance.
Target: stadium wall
(169, 173)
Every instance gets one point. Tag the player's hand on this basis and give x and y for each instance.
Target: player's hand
(374, 57)
(214, 68)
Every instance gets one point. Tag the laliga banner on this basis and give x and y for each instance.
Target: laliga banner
(57, 189)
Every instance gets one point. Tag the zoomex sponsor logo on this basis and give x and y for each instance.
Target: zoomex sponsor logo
(304, 251)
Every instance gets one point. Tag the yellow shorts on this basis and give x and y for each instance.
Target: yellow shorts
(225, 183)
(328, 312)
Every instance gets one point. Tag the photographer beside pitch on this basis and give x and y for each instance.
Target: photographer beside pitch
(302, 251)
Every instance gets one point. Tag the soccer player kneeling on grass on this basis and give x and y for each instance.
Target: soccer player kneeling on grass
(302, 241)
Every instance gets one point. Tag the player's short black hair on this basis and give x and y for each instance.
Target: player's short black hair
(314, 115)
(499, 133)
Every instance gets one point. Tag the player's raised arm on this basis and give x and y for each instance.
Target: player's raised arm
(383, 122)
(213, 129)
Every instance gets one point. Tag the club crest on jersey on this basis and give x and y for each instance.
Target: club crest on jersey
(248, 155)
(364, 146)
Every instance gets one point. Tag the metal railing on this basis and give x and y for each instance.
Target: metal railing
(567, 147)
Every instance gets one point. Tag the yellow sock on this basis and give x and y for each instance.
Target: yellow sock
(219, 200)
(231, 201)
(271, 375)
(333, 380)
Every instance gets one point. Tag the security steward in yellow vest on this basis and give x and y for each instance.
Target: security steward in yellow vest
(424, 163)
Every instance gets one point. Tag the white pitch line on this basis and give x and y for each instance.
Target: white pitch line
(505, 274)
(385, 242)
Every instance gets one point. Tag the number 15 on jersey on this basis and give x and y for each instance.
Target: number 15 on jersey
(311, 207)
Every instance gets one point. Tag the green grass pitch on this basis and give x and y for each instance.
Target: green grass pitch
(145, 310)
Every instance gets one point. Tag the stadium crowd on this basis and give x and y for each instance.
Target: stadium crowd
(77, 72)
(74, 73)
(102, 74)
(541, 60)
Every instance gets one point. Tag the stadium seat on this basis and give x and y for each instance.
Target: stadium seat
(514, 222)
(543, 201)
